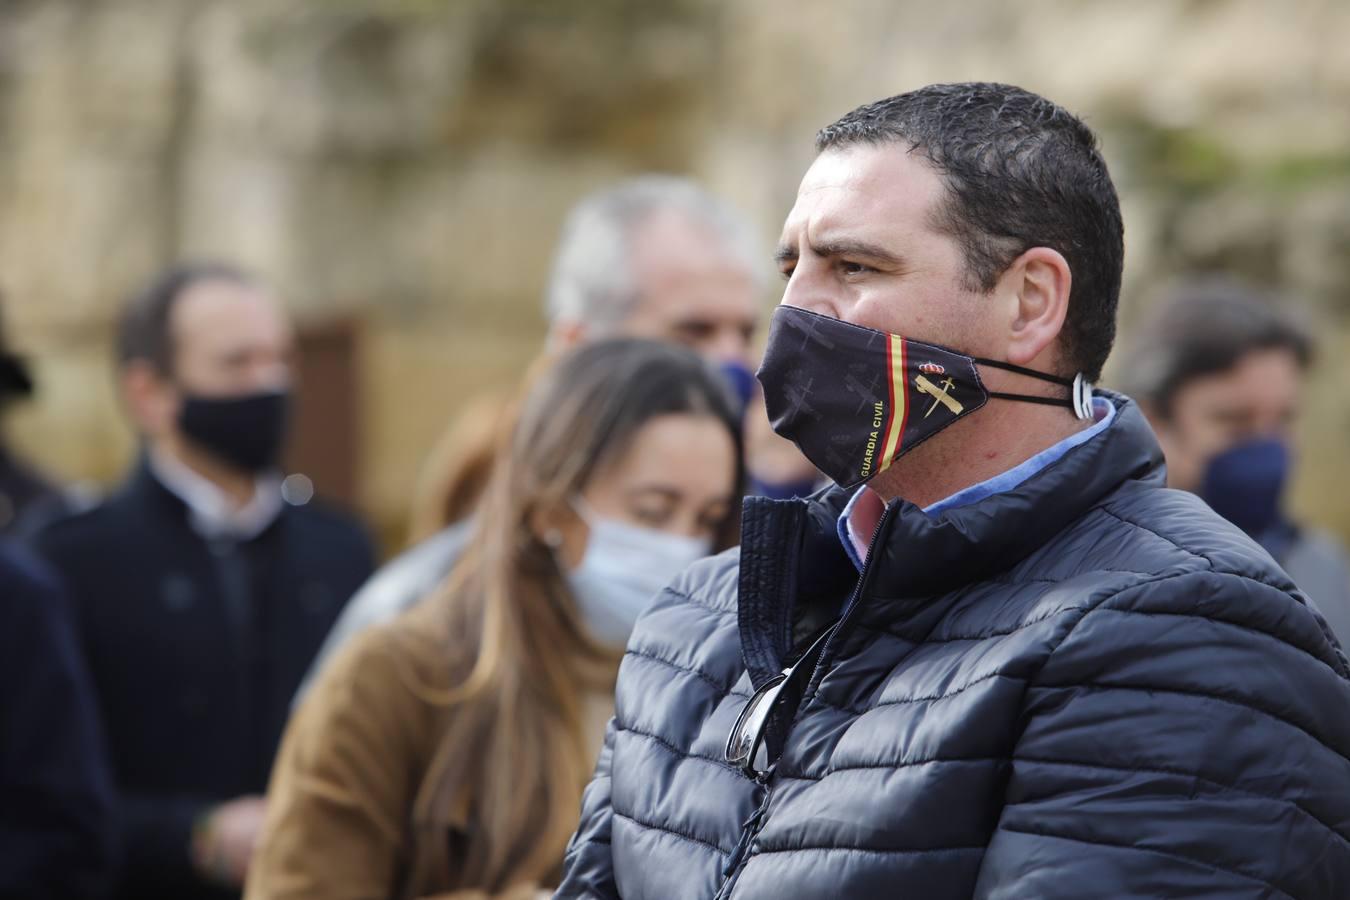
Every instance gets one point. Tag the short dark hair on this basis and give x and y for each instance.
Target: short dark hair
(143, 332)
(1205, 326)
(1020, 172)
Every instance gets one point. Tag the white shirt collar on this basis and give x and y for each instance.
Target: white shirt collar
(210, 512)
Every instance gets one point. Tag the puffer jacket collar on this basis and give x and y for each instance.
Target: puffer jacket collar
(792, 563)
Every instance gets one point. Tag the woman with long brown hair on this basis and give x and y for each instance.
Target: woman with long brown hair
(444, 755)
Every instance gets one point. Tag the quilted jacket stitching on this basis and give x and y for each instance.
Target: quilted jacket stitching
(860, 711)
(977, 637)
(1282, 588)
(899, 851)
(688, 670)
(1218, 620)
(697, 599)
(1085, 610)
(668, 830)
(1182, 773)
(1181, 856)
(1207, 695)
(1160, 536)
(684, 754)
(891, 766)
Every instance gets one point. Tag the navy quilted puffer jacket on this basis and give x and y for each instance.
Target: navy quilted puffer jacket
(1088, 686)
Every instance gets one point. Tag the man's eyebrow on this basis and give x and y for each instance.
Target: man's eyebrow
(784, 253)
(853, 247)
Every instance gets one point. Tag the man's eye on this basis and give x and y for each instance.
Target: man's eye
(694, 331)
(853, 268)
(1232, 419)
(786, 272)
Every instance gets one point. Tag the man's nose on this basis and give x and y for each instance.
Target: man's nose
(807, 289)
(269, 375)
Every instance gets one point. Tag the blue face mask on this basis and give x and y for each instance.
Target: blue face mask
(624, 568)
(1244, 484)
(741, 381)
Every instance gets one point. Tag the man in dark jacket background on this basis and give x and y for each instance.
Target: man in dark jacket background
(201, 594)
(999, 659)
(57, 832)
(1220, 369)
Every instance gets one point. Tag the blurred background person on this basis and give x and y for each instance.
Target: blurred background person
(57, 833)
(1220, 370)
(655, 257)
(201, 595)
(659, 257)
(445, 753)
(23, 491)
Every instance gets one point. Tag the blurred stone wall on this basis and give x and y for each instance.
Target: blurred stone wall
(407, 164)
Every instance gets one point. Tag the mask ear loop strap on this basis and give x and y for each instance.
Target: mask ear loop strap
(1028, 398)
(1080, 389)
(1022, 370)
(582, 509)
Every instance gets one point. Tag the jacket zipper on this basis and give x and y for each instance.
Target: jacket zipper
(749, 831)
(850, 610)
(752, 826)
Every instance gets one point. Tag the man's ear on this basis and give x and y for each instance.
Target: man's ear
(1038, 284)
(150, 399)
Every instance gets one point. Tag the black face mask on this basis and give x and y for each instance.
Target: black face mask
(854, 399)
(246, 431)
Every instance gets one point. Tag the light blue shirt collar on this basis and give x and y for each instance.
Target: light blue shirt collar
(1004, 481)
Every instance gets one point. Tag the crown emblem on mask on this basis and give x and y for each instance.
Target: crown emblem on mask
(932, 368)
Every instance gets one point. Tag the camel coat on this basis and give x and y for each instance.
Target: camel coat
(350, 811)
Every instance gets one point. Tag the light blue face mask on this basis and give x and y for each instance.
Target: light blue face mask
(623, 569)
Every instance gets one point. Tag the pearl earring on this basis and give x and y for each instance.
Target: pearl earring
(553, 538)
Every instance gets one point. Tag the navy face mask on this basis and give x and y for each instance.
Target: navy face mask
(246, 431)
(854, 399)
(1244, 484)
(740, 380)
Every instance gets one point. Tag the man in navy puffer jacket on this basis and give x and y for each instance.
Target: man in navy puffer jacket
(999, 659)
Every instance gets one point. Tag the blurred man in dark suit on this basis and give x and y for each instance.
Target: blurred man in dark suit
(201, 594)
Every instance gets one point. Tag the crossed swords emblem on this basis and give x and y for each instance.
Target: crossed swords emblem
(941, 393)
